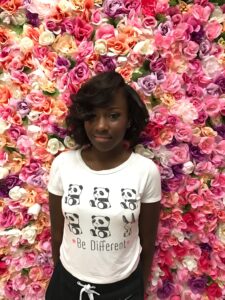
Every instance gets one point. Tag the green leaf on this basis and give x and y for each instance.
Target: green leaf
(154, 101)
(25, 120)
(18, 29)
(136, 75)
(173, 2)
(27, 70)
(146, 66)
(55, 93)
(186, 208)
(72, 63)
(10, 149)
(25, 272)
(113, 22)
(161, 18)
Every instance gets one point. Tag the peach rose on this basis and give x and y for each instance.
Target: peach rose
(65, 44)
(41, 140)
(11, 5)
(118, 45)
(5, 94)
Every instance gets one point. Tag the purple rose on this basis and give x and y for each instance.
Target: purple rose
(198, 36)
(158, 65)
(113, 8)
(108, 62)
(165, 28)
(165, 186)
(32, 18)
(147, 84)
(23, 108)
(132, 4)
(206, 247)
(204, 48)
(177, 170)
(220, 130)
(36, 180)
(59, 131)
(79, 73)
(197, 285)
(8, 183)
(67, 26)
(167, 173)
(62, 62)
(196, 154)
(166, 290)
(15, 132)
(212, 89)
(220, 81)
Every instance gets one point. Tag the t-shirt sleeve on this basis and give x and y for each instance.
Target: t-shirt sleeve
(152, 191)
(55, 183)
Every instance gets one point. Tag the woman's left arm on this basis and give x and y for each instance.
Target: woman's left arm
(148, 225)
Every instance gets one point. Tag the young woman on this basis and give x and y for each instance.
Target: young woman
(104, 198)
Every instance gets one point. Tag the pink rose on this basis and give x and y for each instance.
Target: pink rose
(220, 148)
(24, 144)
(180, 154)
(183, 132)
(80, 73)
(36, 98)
(96, 17)
(9, 291)
(172, 83)
(40, 52)
(85, 50)
(162, 41)
(190, 50)
(149, 22)
(20, 77)
(198, 103)
(82, 30)
(68, 26)
(212, 105)
(219, 180)
(28, 259)
(35, 291)
(7, 217)
(195, 200)
(106, 31)
(207, 144)
(3, 157)
(201, 13)
(19, 282)
(213, 29)
(203, 168)
(181, 32)
(192, 184)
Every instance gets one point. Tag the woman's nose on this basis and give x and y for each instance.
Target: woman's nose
(101, 123)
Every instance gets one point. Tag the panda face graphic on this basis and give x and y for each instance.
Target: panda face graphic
(101, 226)
(129, 199)
(73, 223)
(74, 192)
(100, 196)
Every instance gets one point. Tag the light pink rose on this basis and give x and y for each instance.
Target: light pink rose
(40, 52)
(161, 6)
(212, 105)
(220, 148)
(84, 50)
(201, 13)
(204, 168)
(9, 291)
(207, 144)
(195, 200)
(28, 259)
(183, 132)
(180, 33)
(35, 291)
(20, 77)
(198, 103)
(149, 22)
(219, 180)
(162, 41)
(19, 282)
(159, 115)
(180, 154)
(171, 84)
(24, 144)
(36, 98)
(96, 17)
(192, 184)
(213, 29)
(190, 50)
(105, 31)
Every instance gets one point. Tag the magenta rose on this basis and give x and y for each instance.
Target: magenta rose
(82, 30)
(80, 73)
(113, 8)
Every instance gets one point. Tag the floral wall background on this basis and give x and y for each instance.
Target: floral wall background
(172, 52)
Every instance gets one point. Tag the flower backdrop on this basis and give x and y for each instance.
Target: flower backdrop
(173, 54)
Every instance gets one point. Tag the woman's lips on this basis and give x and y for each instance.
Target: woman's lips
(102, 138)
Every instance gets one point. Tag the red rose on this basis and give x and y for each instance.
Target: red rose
(3, 267)
(214, 290)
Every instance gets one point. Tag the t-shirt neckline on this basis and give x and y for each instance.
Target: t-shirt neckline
(106, 171)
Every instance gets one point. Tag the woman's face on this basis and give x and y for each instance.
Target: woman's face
(107, 126)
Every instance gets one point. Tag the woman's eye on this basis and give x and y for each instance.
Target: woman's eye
(114, 116)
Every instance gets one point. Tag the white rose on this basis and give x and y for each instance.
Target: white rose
(33, 115)
(3, 126)
(178, 234)
(54, 146)
(140, 149)
(211, 66)
(101, 47)
(29, 233)
(69, 142)
(46, 38)
(221, 232)
(34, 210)
(13, 235)
(188, 167)
(156, 275)
(19, 18)
(144, 47)
(218, 15)
(65, 5)
(190, 263)
(5, 17)
(26, 44)
(4, 172)
(17, 193)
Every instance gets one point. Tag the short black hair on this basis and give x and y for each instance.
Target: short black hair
(99, 91)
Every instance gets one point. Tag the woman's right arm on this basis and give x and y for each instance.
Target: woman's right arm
(57, 224)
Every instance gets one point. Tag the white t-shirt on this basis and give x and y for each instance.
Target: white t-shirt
(101, 208)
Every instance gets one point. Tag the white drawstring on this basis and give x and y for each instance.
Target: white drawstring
(87, 289)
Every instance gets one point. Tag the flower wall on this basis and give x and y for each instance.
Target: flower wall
(172, 53)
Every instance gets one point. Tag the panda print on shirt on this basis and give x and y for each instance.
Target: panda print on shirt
(73, 224)
(129, 199)
(74, 192)
(100, 226)
(128, 225)
(101, 198)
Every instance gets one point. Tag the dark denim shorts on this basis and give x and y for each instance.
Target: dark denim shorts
(64, 286)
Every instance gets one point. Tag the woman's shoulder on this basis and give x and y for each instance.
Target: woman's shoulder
(67, 155)
(145, 163)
